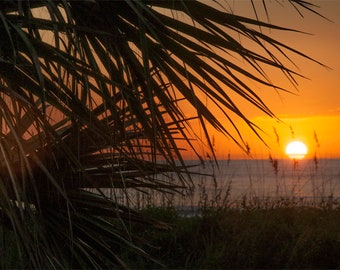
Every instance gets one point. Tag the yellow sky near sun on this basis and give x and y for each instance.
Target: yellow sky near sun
(319, 133)
(316, 108)
(311, 114)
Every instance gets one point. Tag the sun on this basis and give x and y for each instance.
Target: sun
(296, 150)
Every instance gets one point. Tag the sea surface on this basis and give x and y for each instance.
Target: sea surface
(253, 181)
(307, 178)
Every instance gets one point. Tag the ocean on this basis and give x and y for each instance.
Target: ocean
(251, 182)
(306, 178)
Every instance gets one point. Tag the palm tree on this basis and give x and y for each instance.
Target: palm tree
(92, 96)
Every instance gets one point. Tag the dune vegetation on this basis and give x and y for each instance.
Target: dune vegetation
(273, 238)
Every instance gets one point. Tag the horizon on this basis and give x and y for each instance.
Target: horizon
(306, 159)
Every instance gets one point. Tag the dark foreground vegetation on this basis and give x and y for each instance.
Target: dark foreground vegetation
(289, 237)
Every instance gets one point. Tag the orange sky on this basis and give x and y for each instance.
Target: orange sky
(315, 109)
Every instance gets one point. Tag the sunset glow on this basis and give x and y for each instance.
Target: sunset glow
(296, 150)
(312, 114)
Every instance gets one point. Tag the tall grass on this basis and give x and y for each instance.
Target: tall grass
(284, 238)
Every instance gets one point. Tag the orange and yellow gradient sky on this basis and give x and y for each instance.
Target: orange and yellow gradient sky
(312, 113)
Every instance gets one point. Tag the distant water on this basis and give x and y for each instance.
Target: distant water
(235, 180)
(307, 178)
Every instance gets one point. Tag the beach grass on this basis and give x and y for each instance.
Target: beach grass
(284, 237)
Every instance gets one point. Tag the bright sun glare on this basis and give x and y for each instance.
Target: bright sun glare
(296, 150)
